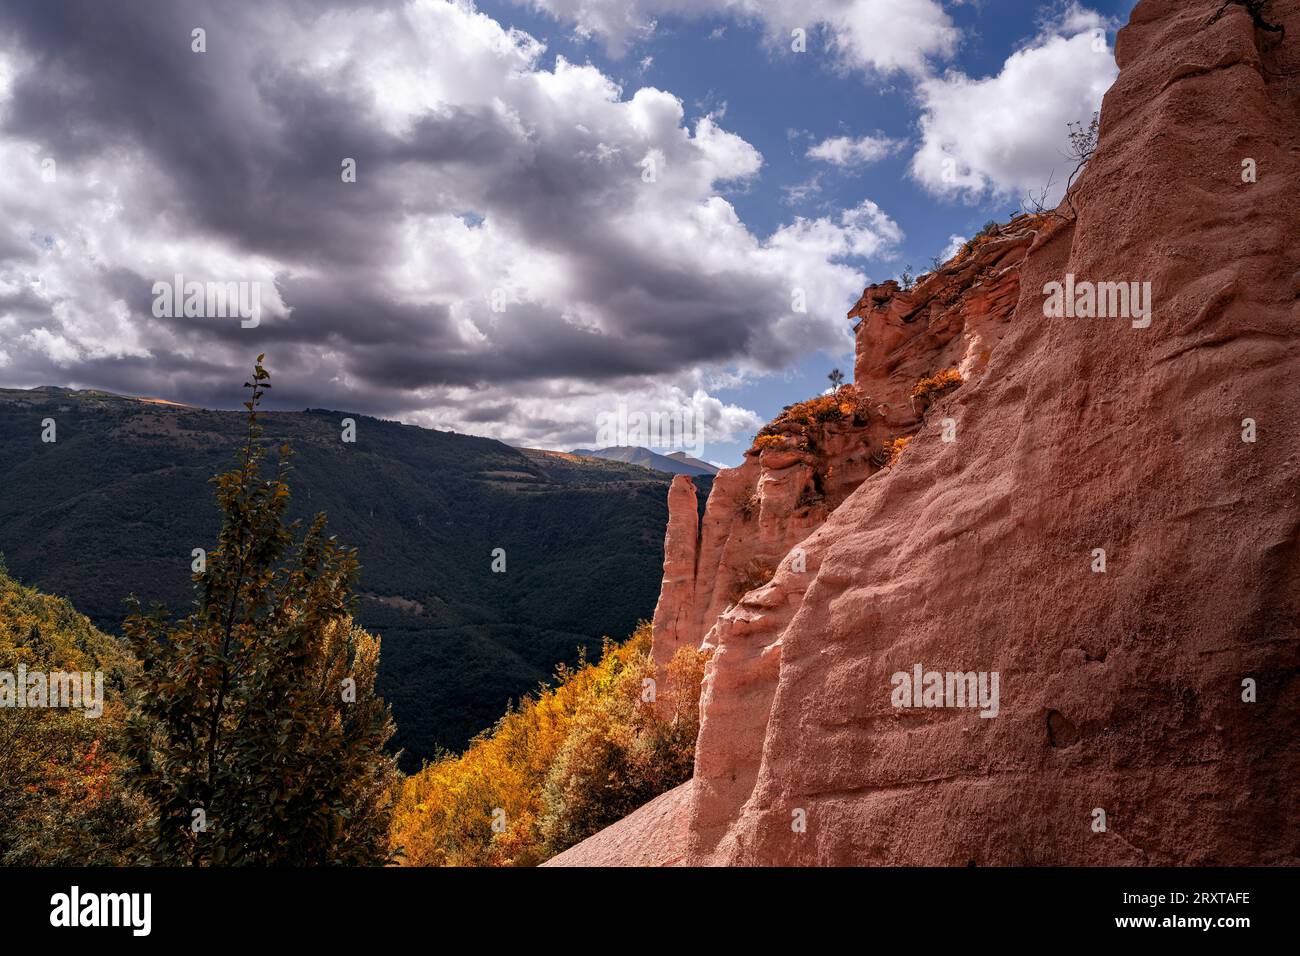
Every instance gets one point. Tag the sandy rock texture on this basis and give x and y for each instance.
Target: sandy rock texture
(1121, 691)
(653, 835)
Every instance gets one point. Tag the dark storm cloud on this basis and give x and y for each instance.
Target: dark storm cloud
(371, 300)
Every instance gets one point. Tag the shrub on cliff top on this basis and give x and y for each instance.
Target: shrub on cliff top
(844, 404)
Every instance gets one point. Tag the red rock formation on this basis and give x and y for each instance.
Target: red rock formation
(681, 543)
(1122, 689)
(953, 318)
(806, 463)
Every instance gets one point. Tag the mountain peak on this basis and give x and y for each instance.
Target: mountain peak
(674, 463)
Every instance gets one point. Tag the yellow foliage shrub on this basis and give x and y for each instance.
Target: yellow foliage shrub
(895, 448)
(937, 384)
(622, 752)
(845, 403)
(64, 796)
(565, 763)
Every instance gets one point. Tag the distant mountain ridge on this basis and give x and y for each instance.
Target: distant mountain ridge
(674, 463)
(116, 504)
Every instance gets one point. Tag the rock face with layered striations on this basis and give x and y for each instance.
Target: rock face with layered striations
(952, 320)
(808, 461)
(1113, 529)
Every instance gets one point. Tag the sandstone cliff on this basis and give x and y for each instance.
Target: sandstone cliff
(804, 464)
(1103, 513)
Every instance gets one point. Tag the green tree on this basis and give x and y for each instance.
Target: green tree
(255, 730)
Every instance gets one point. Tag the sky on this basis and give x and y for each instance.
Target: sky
(525, 219)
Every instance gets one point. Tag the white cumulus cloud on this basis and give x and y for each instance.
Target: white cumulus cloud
(502, 265)
(881, 36)
(847, 151)
(1007, 134)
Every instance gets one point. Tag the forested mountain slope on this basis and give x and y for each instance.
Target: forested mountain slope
(118, 501)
